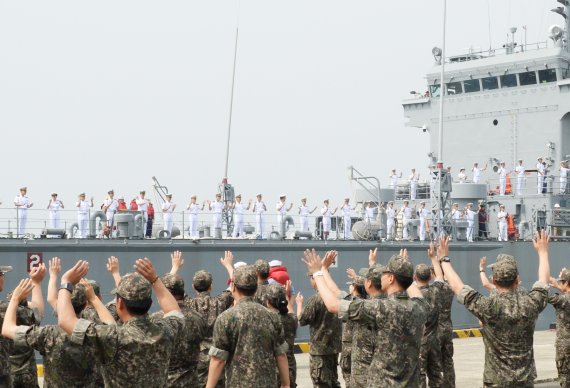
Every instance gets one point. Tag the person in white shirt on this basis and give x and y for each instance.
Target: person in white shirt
(217, 207)
(168, 213)
(54, 206)
(477, 172)
(406, 212)
(470, 217)
(540, 172)
(110, 207)
(259, 209)
(22, 203)
(304, 213)
(390, 221)
(502, 220)
(282, 210)
(346, 209)
(462, 177)
(142, 204)
(423, 214)
(370, 212)
(521, 172)
(394, 179)
(413, 179)
(239, 210)
(327, 216)
(563, 177)
(456, 214)
(193, 210)
(83, 207)
(502, 171)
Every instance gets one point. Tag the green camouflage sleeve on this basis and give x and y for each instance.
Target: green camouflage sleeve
(102, 339)
(539, 295)
(474, 302)
(221, 344)
(280, 346)
(359, 310)
(558, 301)
(32, 336)
(309, 312)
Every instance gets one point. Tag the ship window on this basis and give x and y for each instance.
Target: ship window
(509, 81)
(454, 88)
(566, 72)
(490, 83)
(471, 85)
(434, 90)
(547, 75)
(528, 78)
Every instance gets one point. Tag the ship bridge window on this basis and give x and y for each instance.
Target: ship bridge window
(509, 81)
(435, 90)
(490, 83)
(471, 85)
(566, 72)
(547, 75)
(528, 78)
(454, 88)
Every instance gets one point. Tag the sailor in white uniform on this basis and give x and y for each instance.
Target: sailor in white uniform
(390, 221)
(406, 212)
(259, 209)
(370, 212)
(22, 203)
(521, 173)
(239, 211)
(193, 211)
(502, 171)
(304, 213)
(502, 220)
(83, 207)
(282, 210)
(563, 177)
(217, 207)
(394, 179)
(110, 207)
(346, 209)
(327, 217)
(470, 217)
(477, 172)
(423, 214)
(456, 214)
(462, 177)
(168, 213)
(413, 179)
(142, 204)
(54, 206)
(540, 172)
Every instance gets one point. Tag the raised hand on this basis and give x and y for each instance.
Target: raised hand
(113, 265)
(177, 261)
(351, 274)
(288, 286)
(541, 242)
(146, 269)
(89, 292)
(443, 248)
(228, 259)
(312, 260)
(299, 299)
(373, 257)
(78, 271)
(23, 290)
(431, 251)
(38, 273)
(482, 263)
(404, 254)
(329, 259)
(54, 267)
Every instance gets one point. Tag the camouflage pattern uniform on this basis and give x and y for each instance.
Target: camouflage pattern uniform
(210, 308)
(262, 269)
(399, 321)
(22, 359)
(348, 329)
(136, 353)
(325, 339)
(66, 363)
(444, 301)
(184, 360)
(508, 320)
(248, 338)
(561, 304)
(5, 344)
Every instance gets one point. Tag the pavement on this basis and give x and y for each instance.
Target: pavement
(469, 360)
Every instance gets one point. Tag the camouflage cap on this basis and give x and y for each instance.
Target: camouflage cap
(505, 270)
(400, 266)
(358, 280)
(262, 268)
(202, 280)
(133, 287)
(174, 283)
(5, 269)
(373, 274)
(245, 277)
(275, 291)
(423, 272)
(79, 296)
(504, 256)
(564, 276)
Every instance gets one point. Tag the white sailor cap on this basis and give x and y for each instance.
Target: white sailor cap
(239, 264)
(275, 263)
(258, 195)
(556, 205)
(5, 269)
(82, 194)
(462, 169)
(168, 195)
(304, 199)
(282, 195)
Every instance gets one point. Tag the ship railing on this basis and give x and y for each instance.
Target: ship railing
(527, 185)
(556, 221)
(493, 52)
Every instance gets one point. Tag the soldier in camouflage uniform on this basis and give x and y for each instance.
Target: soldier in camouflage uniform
(262, 270)
(5, 378)
(248, 340)
(183, 361)
(430, 351)
(399, 320)
(508, 317)
(137, 352)
(561, 302)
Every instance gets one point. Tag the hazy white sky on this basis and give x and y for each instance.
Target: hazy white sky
(105, 95)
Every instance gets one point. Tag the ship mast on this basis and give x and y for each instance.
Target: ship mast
(440, 209)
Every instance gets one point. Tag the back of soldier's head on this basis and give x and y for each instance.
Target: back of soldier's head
(373, 275)
(505, 271)
(202, 281)
(175, 284)
(402, 270)
(262, 268)
(276, 297)
(245, 280)
(135, 292)
(423, 272)
(79, 299)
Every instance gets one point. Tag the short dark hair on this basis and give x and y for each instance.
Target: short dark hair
(506, 283)
(201, 287)
(360, 290)
(376, 282)
(246, 291)
(136, 307)
(404, 281)
(78, 308)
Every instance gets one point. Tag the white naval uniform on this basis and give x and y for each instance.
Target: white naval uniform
(327, 214)
(193, 210)
(281, 208)
(455, 214)
(259, 209)
(393, 181)
(217, 207)
(423, 214)
(520, 170)
(470, 217)
(239, 210)
(406, 217)
(390, 222)
(82, 217)
(462, 177)
(22, 203)
(304, 216)
(539, 177)
(369, 214)
(563, 179)
(142, 204)
(413, 186)
(112, 205)
(167, 215)
(502, 180)
(347, 222)
(476, 174)
(502, 220)
(54, 215)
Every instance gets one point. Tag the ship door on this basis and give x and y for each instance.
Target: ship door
(565, 137)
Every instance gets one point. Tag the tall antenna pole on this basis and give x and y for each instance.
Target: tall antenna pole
(231, 104)
(440, 130)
